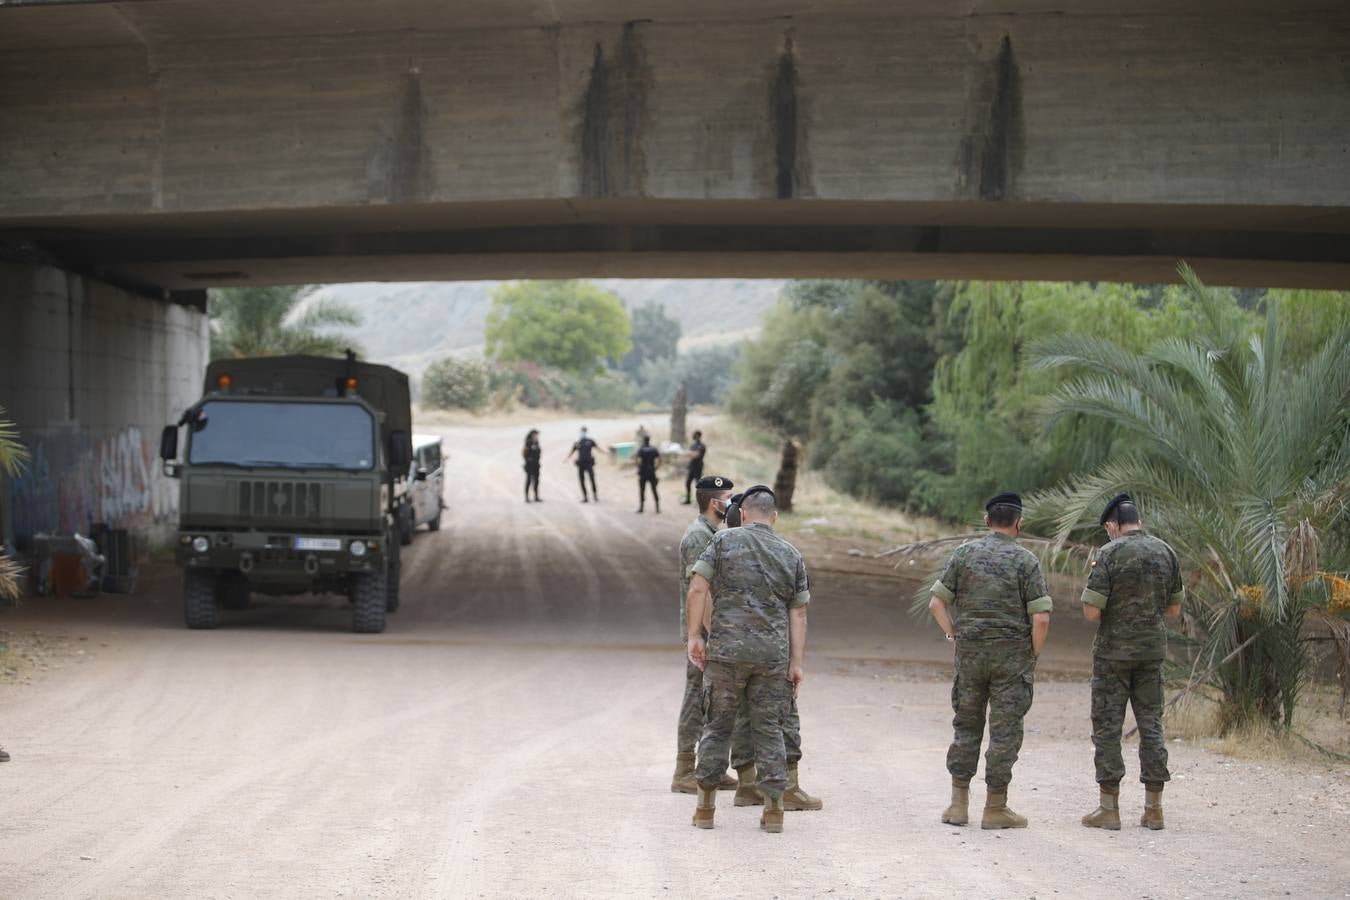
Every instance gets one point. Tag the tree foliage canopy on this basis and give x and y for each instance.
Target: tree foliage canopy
(274, 321)
(573, 326)
(656, 338)
(1239, 460)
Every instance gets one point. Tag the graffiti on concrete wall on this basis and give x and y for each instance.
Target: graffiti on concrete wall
(75, 480)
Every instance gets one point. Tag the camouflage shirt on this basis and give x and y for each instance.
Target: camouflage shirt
(1134, 578)
(696, 539)
(994, 585)
(756, 578)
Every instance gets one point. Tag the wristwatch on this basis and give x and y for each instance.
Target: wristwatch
(950, 638)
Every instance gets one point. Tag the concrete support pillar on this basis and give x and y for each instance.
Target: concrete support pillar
(90, 374)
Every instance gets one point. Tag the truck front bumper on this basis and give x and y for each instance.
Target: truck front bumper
(281, 557)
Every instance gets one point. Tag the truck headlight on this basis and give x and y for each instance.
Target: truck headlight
(358, 548)
(201, 544)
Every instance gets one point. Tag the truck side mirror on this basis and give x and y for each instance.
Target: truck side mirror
(168, 450)
(400, 451)
(168, 443)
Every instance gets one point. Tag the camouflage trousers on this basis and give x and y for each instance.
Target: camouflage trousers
(998, 675)
(742, 749)
(767, 696)
(1116, 683)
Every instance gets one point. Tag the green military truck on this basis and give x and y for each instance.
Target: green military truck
(294, 480)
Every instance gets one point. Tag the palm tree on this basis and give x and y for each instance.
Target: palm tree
(276, 321)
(13, 456)
(1243, 466)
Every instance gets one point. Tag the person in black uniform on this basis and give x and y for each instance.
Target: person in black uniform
(584, 450)
(648, 459)
(696, 453)
(531, 453)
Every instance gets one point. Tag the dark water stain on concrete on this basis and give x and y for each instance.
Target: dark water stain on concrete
(613, 118)
(990, 156)
(409, 171)
(595, 129)
(785, 122)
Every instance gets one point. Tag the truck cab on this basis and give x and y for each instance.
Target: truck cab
(294, 474)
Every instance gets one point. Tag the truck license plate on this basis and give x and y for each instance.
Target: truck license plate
(304, 543)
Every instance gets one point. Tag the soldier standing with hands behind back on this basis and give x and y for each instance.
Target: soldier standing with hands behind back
(1001, 607)
(1135, 583)
(757, 585)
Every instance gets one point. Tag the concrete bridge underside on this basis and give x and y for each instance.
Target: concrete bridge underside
(171, 145)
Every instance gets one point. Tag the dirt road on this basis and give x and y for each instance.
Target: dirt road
(512, 735)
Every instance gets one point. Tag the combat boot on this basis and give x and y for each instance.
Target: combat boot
(684, 782)
(1153, 814)
(771, 820)
(997, 814)
(707, 807)
(746, 792)
(794, 798)
(4, 757)
(959, 811)
(1107, 813)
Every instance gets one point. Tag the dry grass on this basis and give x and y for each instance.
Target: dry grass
(1197, 719)
(749, 456)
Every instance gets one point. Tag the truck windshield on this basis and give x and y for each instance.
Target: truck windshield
(293, 435)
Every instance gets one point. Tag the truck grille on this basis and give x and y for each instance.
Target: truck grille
(280, 500)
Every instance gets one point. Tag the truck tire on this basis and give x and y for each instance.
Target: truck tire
(368, 591)
(406, 525)
(395, 573)
(200, 609)
(233, 591)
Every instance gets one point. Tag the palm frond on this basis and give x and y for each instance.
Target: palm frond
(13, 454)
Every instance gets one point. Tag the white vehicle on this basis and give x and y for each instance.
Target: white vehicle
(427, 480)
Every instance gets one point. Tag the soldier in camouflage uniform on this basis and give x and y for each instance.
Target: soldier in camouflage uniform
(1135, 584)
(998, 596)
(757, 585)
(713, 492)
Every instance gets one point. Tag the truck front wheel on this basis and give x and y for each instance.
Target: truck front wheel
(200, 609)
(395, 572)
(369, 593)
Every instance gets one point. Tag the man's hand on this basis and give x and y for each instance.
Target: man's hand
(698, 653)
(796, 676)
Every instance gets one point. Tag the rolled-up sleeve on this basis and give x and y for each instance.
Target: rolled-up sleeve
(945, 587)
(1099, 584)
(1178, 589)
(707, 562)
(1037, 591)
(803, 595)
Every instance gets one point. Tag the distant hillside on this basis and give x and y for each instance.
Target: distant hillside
(411, 325)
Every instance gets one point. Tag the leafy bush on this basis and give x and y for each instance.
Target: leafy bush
(708, 373)
(454, 383)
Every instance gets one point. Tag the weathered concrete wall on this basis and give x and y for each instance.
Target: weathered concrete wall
(1038, 107)
(90, 374)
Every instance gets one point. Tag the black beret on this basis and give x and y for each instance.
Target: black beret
(1111, 507)
(1008, 498)
(758, 489)
(713, 483)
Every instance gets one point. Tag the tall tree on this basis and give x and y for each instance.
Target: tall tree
(277, 321)
(569, 325)
(655, 336)
(1242, 463)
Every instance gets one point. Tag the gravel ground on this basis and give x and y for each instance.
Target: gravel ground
(511, 735)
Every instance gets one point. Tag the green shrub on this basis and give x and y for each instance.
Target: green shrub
(454, 383)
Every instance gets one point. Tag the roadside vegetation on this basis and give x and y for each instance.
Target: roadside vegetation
(275, 321)
(571, 345)
(13, 456)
